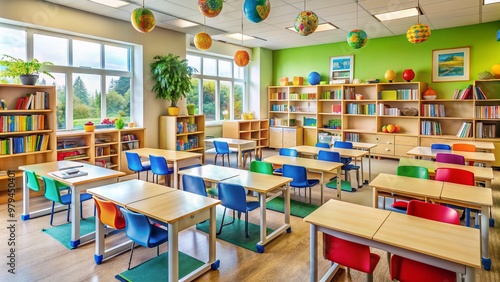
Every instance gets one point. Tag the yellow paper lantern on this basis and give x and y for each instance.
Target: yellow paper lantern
(202, 41)
(418, 33)
(143, 20)
(241, 58)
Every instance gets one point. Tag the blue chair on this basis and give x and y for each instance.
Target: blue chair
(286, 152)
(441, 147)
(322, 145)
(135, 164)
(299, 176)
(196, 184)
(159, 167)
(222, 149)
(331, 156)
(347, 161)
(142, 232)
(233, 196)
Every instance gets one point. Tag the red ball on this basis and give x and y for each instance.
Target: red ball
(408, 75)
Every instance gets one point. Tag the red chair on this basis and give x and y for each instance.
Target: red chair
(464, 148)
(407, 270)
(350, 255)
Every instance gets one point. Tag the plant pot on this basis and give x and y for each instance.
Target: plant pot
(89, 128)
(173, 111)
(190, 111)
(28, 79)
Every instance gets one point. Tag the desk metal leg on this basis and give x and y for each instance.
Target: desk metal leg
(339, 184)
(26, 199)
(485, 257)
(322, 197)
(176, 175)
(313, 253)
(369, 166)
(375, 197)
(470, 274)
(173, 251)
(75, 217)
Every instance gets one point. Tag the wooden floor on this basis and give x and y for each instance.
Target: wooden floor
(40, 258)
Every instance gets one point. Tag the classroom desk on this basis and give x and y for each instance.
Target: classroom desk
(180, 210)
(178, 158)
(263, 184)
(97, 176)
(122, 194)
(312, 165)
(481, 157)
(346, 153)
(481, 146)
(239, 144)
(212, 173)
(366, 147)
(444, 245)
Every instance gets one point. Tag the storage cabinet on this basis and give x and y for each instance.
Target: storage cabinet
(285, 137)
(183, 133)
(257, 130)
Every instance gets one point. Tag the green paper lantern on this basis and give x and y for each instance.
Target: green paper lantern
(357, 38)
(143, 20)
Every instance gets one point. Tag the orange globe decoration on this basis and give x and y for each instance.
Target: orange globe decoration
(418, 33)
(241, 58)
(143, 20)
(210, 8)
(202, 41)
(495, 69)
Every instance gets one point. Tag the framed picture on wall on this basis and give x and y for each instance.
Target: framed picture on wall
(341, 69)
(450, 64)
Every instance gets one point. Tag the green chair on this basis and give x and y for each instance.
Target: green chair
(261, 167)
(410, 171)
(32, 181)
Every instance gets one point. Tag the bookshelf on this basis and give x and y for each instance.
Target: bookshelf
(183, 133)
(256, 129)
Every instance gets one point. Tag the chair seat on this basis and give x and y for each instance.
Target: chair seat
(85, 197)
(158, 236)
(278, 171)
(415, 271)
(309, 183)
(350, 167)
(66, 199)
(146, 165)
(214, 192)
(252, 205)
(190, 166)
(400, 205)
(231, 151)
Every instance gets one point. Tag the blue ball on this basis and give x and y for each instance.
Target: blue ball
(314, 78)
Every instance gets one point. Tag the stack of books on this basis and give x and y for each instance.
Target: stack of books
(465, 130)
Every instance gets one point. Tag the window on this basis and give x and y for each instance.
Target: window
(218, 87)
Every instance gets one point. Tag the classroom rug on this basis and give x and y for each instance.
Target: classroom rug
(345, 185)
(62, 233)
(156, 269)
(297, 208)
(235, 233)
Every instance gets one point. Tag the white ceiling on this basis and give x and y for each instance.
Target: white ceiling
(438, 14)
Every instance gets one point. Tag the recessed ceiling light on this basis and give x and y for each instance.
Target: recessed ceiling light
(486, 2)
(237, 36)
(321, 27)
(111, 3)
(181, 23)
(398, 14)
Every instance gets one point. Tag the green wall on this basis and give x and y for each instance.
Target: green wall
(396, 53)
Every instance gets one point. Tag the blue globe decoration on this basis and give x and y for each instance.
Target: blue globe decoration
(256, 10)
(314, 78)
(306, 23)
(357, 38)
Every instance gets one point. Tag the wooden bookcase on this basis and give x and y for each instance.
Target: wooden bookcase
(11, 160)
(256, 129)
(183, 133)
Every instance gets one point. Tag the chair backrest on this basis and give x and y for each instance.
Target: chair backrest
(52, 191)
(463, 147)
(343, 144)
(346, 253)
(433, 212)
(413, 171)
(441, 146)
(159, 165)
(322, 145)
(261, 167)
(455, 175)
(450, 158)
(137, 227)
(221, 147)
(329, 156)
(109, 213)
(133, 161)
(297, 173)
(194, 184)
(232, 196)
(288, 152)
(32, 182)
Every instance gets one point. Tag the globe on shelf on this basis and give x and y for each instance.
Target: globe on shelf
(314, 78)
(418, 33)
(256, 10)
(357, 38)
(210, 8)
(241, 58)
(306, 23)
(143, 20)
(390, 75)
(408, 75)
(202, 41)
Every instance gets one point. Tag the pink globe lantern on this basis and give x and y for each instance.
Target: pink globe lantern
(202, 41)
(241, 58)
(143, 20)
(418, 33)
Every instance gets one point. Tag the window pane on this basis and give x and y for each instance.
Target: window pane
(224, 68)
(51, 49)
(209, 66)
(116, 58)
(238, 99)
(224, 99)
(118, 97)
(209, 99)
(13, 42)
(86, 99)
(86, 54)
(195, 62)
(60, 83)
(239, 72)
(193, 97)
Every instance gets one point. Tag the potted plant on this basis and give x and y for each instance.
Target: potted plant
(172, 77)
(27, 71)
(190, 108)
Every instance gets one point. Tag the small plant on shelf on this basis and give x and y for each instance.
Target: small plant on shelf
(27, 71)
(190, 108)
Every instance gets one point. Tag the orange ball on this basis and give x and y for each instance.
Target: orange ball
(241, 58)
(202, 41)
(495, 69)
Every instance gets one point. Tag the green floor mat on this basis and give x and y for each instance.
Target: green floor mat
(62, 233)
(156, 269)
(346, 185)
(297, 208)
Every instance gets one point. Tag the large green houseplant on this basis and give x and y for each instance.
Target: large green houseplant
(172, 76)
(27, 71)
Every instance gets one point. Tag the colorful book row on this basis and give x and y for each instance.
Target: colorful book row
(22, 123)
(361, 109)
(303, 96)
(487, 112)
(465, 130)
(428, 127)
(486, 130)
(24, 144)
(433, 110)
(36, 101)
(332, 94)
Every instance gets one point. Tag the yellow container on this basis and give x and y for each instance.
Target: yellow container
(284, 81)
(89, 128)
(298, 80)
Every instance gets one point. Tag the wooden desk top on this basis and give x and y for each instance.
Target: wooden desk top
(232, 141)
(95, 173)
(350, 218)
(307, 163)
(258, 182)
(173, 206)
(363, 146)
(343, 152)
(212, 173)
(169, 155)
(469, 156)
(479, 172)
(123, 193)
(466, 194)
(455, 243)
(408, 185)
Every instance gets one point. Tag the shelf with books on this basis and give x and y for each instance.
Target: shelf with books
(183, 133)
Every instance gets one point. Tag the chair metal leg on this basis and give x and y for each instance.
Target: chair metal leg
(158, 250)
(215, 159)
(52, 213)
(246, 224)
(310, 198)
(369, 278)
(131, 253)
(147, 178)
(138, 175)
(222, 222)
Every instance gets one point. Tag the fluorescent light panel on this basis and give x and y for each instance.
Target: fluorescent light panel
(398, 14)
(486, 2)
(111, 3)
(321, 27)
(181, 23)
(237, 36)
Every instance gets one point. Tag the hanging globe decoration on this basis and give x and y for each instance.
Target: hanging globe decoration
(202, 41)
(418, 33)
(210, 8)
(241, 58)
(357, 38)
(256, 10)
(143, 20)
(306, 23)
